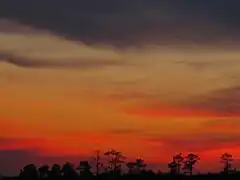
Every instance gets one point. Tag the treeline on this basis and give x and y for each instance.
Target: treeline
(180, 167)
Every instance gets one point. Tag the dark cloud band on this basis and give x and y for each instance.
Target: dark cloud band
(131, 22)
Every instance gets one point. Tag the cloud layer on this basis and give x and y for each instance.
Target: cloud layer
(136, 22)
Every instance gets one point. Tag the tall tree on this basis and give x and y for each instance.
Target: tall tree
(29, 172)
(84, 168)
(68, 171)
(97, 161)
(116, 159)
(173, 167)
(178, 159)
(43, 171)
(227, 158)
(55, 172)
(140, 164)
(189, 161)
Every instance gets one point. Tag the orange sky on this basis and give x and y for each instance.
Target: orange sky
(150, 103)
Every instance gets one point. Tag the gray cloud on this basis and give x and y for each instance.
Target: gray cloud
(48, 63)
(131, 22)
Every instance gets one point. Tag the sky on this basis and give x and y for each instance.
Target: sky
(148, 78)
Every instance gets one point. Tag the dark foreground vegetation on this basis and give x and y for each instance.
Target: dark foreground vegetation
(181, 167)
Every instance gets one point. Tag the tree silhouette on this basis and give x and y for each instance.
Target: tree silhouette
(55, 172)
(116, 159)
(84, 168)
(136, 169)
(43, 171)
(140, 164)
(227, 159)
(176, 164)
(68, 171)
(178, 159)
(137, 166)
(97, 161)
(29, 172)
(173, 166)
(189, 161)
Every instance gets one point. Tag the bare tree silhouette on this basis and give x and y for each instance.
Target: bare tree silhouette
(189, 161)
(227, 158)
(97, 161)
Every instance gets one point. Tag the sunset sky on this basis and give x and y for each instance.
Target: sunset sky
(148, 78)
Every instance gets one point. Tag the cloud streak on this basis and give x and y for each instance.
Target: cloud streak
(48, 63)
(194, 142)
(223, 101)
(219, 103)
